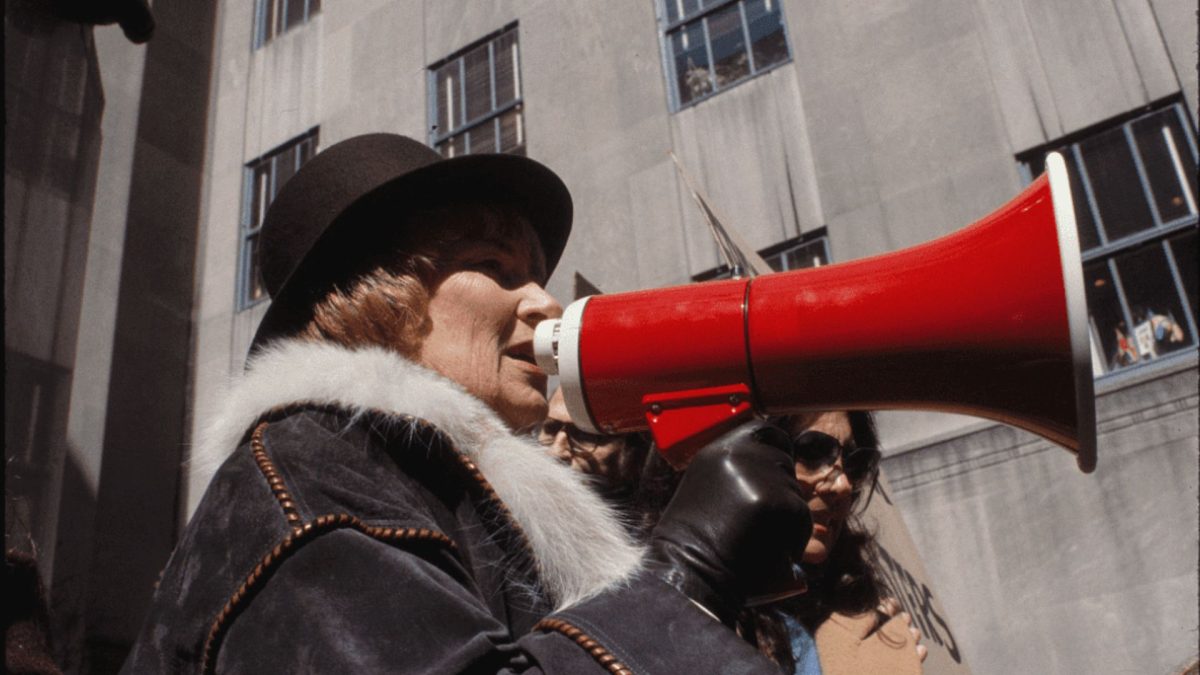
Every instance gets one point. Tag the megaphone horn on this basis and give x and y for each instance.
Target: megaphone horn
(988, 321)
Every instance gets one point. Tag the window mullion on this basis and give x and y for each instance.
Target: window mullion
(1140, 166)
(1124, 302)
(258, 12)
(1186, 125)
(248, 189)
(271, 173)
(746, 36)
(462, 91)
(1177, 164)
(1138, 239)
(712, 67)
(1091, 196)
(492, 74)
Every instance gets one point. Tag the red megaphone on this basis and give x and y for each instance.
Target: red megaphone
(989, 321)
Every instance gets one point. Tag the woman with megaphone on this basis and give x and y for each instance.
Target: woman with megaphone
(379, 504)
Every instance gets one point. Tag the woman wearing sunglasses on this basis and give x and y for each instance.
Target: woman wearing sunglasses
(845, 614)
(844, 623)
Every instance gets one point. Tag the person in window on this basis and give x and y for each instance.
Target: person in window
(844, 623)
(1167, 332)
(380, 505)
(1126, 353)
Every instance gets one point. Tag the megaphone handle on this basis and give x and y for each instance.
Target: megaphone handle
(683, 421)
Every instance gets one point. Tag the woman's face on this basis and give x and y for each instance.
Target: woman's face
(829, 501)
(482, 314)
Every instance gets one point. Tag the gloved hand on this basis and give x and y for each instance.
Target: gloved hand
(735, 522)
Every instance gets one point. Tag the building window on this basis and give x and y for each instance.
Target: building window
(263, 178)
(35, 399)
(711, 45)
(475, 98)
(1133, 182)
(276, 17)
(809, 250)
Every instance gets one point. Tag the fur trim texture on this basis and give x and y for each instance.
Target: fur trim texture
(578, 541)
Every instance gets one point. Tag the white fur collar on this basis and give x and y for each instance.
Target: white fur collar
(577, 539)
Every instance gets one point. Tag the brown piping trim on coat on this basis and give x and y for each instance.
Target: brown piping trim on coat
(602, 656)
(422, 426)
(274, 480)
(300, 536)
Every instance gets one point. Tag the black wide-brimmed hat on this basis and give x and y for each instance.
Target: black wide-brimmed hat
(349, 202)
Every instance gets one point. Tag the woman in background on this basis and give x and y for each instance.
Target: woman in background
(845, 617)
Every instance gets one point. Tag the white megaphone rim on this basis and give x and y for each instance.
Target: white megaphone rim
(569, 377)
(1077, 315)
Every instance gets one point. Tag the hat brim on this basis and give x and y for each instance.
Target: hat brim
(518, 182)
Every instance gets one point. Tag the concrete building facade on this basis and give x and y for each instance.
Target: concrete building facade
(866, 127)
(886, 125)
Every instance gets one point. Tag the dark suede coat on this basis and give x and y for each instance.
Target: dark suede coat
(375, 518)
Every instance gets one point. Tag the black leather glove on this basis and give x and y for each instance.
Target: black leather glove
(735, 522)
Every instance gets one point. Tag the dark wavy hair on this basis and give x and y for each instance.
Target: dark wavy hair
(846, 582)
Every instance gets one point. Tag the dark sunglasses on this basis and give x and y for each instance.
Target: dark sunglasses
(817, 454)
(578, 439)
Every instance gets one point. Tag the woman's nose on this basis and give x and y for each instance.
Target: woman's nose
(537, 304)
(838, 489)
(561, 447)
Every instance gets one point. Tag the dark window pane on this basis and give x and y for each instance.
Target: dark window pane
(1159, 324)
(285, 168)
(1184, 249)
(448, 98)
(691, 62)
(810, 254)
(453, 147)
(508, 76)
(1084, 222)
(512, 132)
(479, 82)
(314, 6)
(728, 45)
(1168, 160)
(1115, 184)
(483, 137)
(293, 13)
(677, 9)
(1110, 335)
(766, 33)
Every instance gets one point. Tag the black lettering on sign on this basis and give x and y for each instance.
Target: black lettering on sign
(917, 600)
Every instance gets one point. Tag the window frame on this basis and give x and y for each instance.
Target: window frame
(817, 236)
(1160, 232)
(666, 28)
(260, 36)
(495, 111)
(249, 224)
